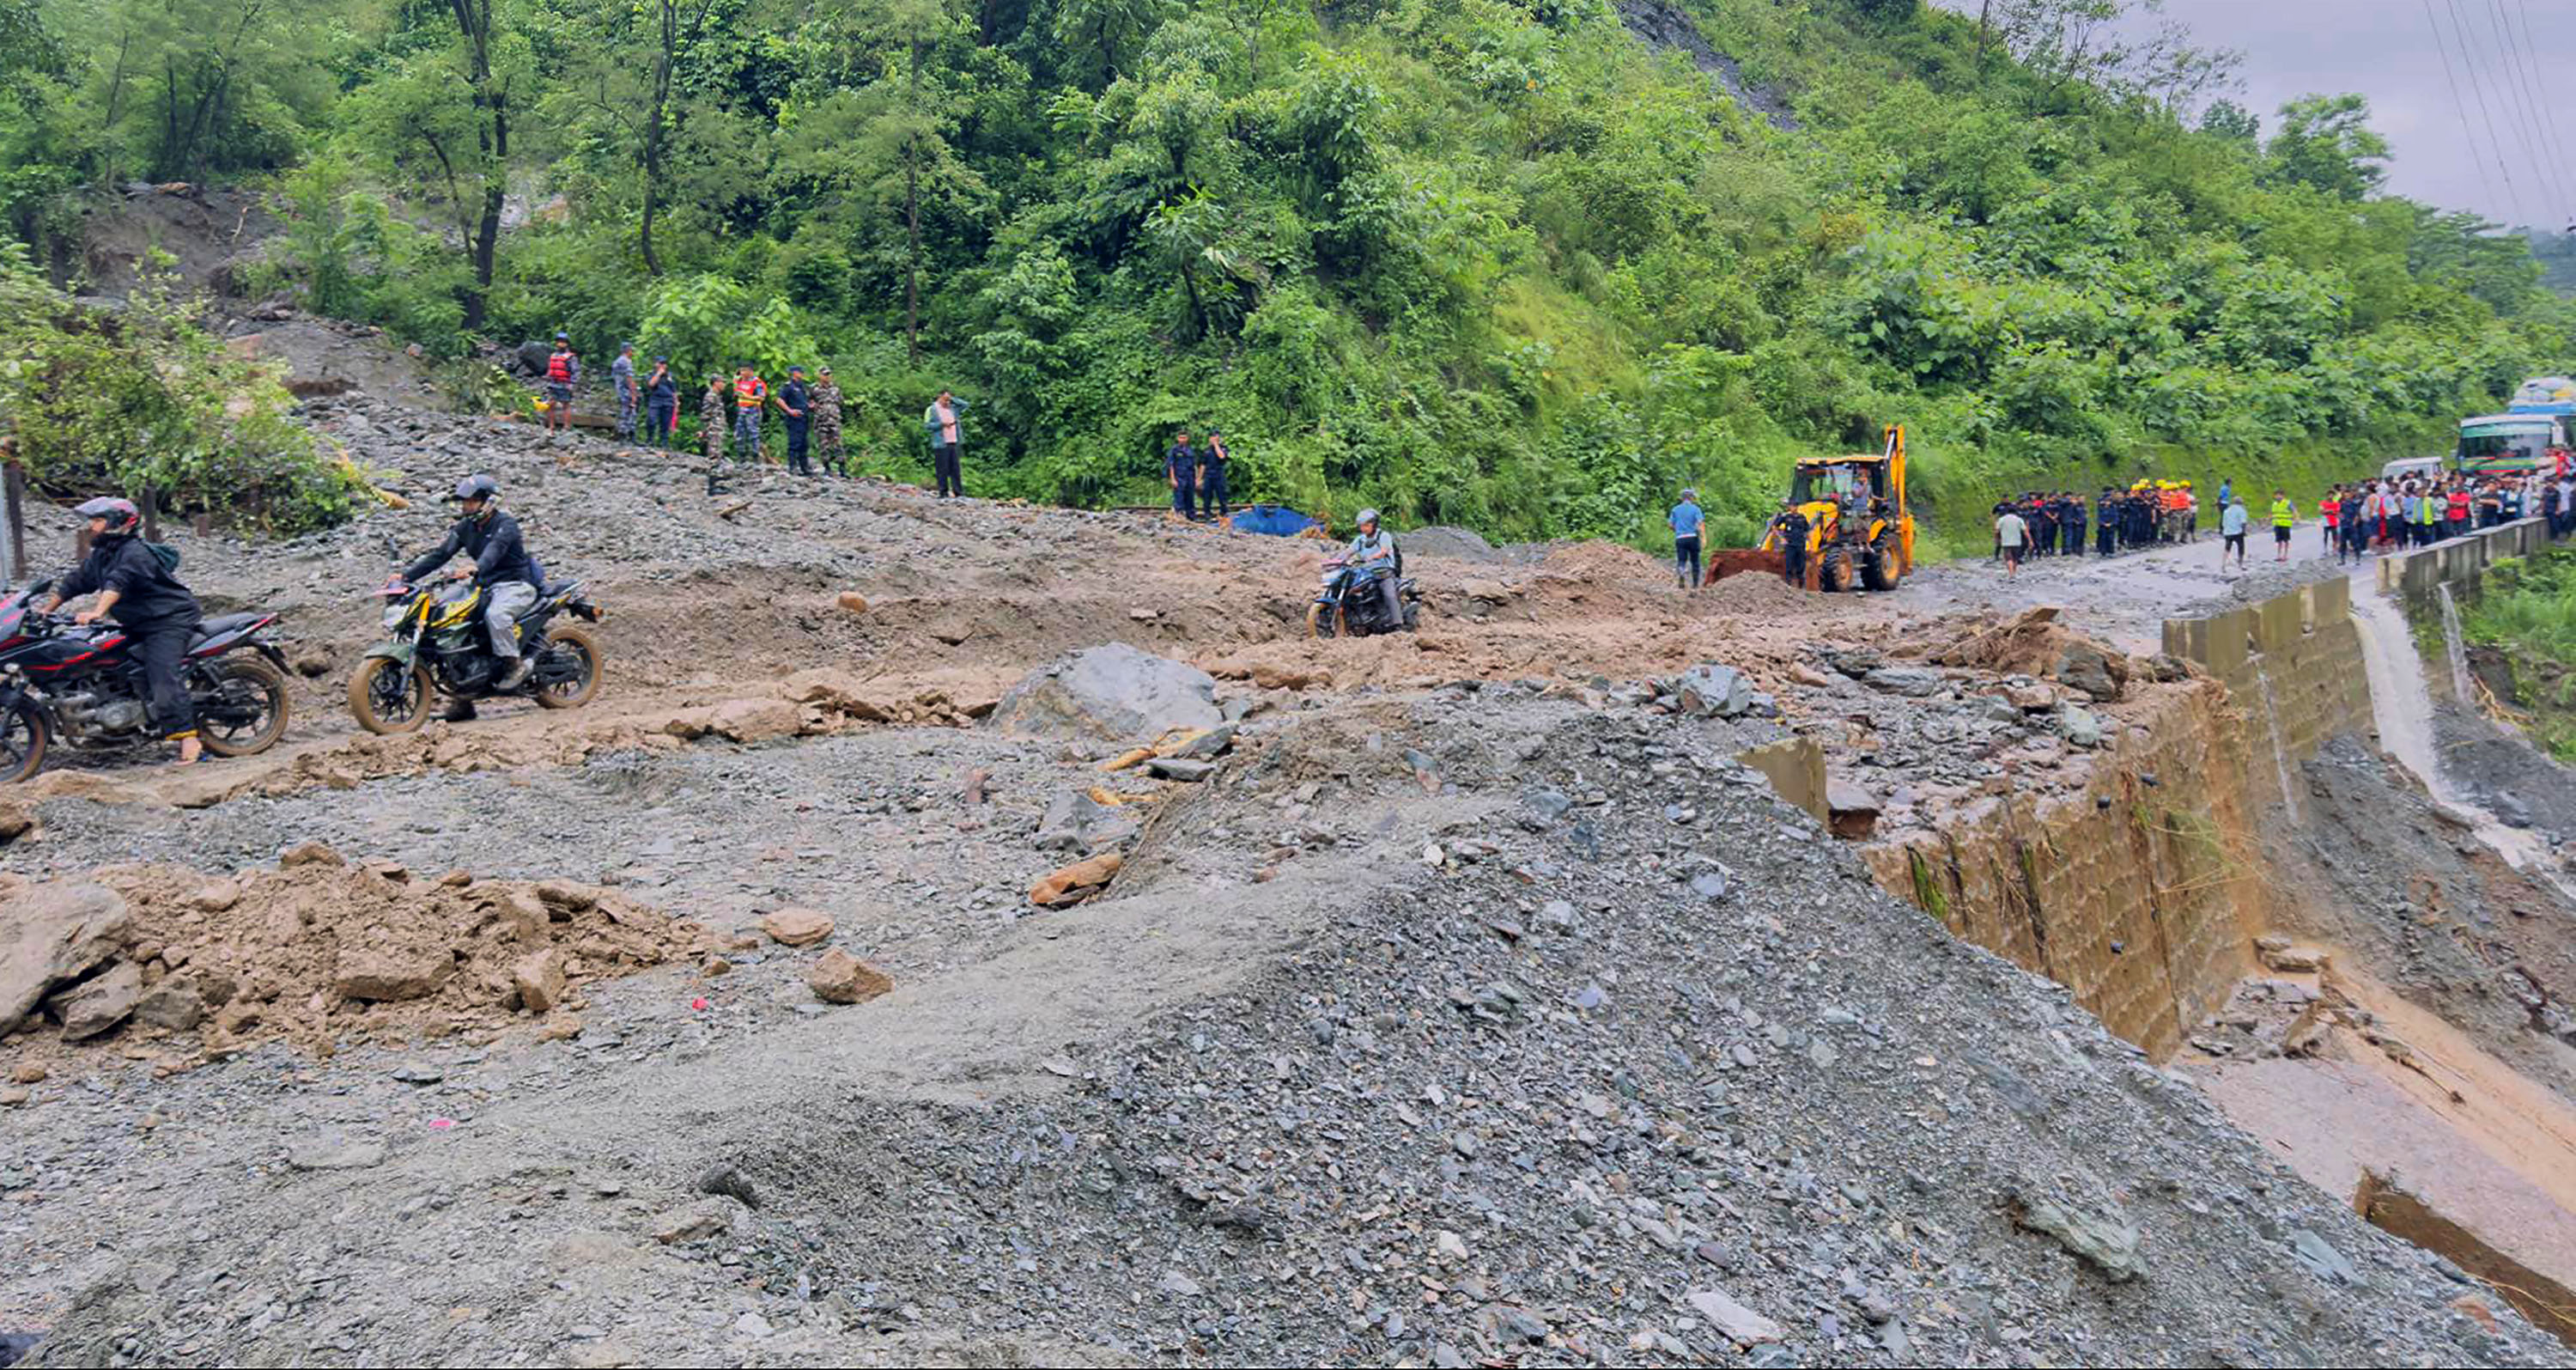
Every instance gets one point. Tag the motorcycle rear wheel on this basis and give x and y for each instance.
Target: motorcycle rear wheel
(566, 641)
(385, 696)
(265, 689)
(23, 739)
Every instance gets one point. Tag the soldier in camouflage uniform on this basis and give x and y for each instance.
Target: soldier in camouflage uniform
(825, 405)
(715, 421)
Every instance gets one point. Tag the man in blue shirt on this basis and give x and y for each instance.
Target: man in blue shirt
(1686, 520)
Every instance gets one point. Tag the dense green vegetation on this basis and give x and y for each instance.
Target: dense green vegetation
(2525, 611)
(1492, 262)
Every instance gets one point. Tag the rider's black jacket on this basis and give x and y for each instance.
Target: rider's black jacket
(492, 541)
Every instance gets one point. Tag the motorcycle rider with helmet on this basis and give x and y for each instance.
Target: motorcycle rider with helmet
(158, 613)
(1373, 554)
(501, 566)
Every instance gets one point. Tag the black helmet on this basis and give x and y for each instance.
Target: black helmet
(476, 486)
(121, 515)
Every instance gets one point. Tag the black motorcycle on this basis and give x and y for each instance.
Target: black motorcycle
(440, 647)
(81, 685)
(1350, 604)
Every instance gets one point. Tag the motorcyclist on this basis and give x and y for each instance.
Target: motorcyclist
(501, 566)
(1373, 554)
(155, 610)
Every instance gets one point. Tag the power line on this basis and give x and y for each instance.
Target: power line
(2533, 153)
(2469, 62)
(2547, 111)
(2468, 135)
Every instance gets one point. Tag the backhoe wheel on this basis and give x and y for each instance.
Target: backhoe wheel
(1835, 576)
(387, 696)
(568, 645)
(1885, 565)
(247, 713)
(1323, 620)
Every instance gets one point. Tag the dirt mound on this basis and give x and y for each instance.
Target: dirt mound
(1456, 544)
(318, 952)
(1603, 561)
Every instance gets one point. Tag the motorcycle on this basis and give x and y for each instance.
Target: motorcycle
(440, 646)
(80, 684)
(1350, 605)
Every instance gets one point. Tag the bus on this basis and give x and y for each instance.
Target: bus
(2512, 444)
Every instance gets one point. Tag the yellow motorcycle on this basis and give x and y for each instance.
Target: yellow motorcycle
(440, 647)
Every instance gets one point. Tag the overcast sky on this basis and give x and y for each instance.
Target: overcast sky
(2386, 50)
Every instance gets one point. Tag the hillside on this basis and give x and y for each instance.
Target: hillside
(1519, 267)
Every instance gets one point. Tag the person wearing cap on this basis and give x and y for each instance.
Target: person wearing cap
(827, 419)
(661, 404)
(159, 615)
(563, 372)
(795, 407)
(713, 414)
(2106, 522)
(1686, 522)
(621, 378)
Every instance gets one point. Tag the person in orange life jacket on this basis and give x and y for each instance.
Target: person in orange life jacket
(563, 372)
(750, 398)
(158, 613)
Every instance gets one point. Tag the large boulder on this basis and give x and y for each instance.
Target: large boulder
(51, 933)
(1713, 689)
(1114, 692)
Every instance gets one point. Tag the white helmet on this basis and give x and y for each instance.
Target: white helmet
(1368, 516)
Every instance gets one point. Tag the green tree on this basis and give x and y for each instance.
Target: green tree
(2326, 144)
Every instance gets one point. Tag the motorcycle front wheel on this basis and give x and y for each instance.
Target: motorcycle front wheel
(23, 738)
(387, 696)
(244, 713)
(1323, 620)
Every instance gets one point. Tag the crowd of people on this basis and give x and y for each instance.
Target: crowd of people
(2387, 515)
(2044, 523)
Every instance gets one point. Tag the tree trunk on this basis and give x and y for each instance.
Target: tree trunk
(1984, 9)
(912, 221)
(653, 130)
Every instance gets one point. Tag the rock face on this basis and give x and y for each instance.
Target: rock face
(796, 927)
(840, 978)
(1115, 693)
(99, 1004)
(53, 933)
(1714, 690)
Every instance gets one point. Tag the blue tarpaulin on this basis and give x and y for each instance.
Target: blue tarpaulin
(1277, 520)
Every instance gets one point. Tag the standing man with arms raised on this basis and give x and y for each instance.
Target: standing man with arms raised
(947, 431)
(661, 404)
(1215, 498)
(1686, 521)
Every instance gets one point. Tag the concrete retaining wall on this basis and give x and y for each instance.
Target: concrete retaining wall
(2459, 563)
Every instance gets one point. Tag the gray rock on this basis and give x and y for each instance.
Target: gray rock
(173, 1004)
(1174, 1282)
(331, 1151)
(1076, 822)
(2102, 1237)
(52, 933)
(1710, 885)
(2321, 1258)
(98, 1004)
(1114, 692)
(1549, 805)
(1854, 661)
(2085, 668)
(1905, 680)
(1711, 690)
(1733, 1320)
(1181, 768)
(2081, 727)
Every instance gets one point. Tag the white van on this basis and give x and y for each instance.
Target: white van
(2411, 468)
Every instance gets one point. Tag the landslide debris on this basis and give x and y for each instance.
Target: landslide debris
(316, 951)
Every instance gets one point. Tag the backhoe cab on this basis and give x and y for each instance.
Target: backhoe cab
(1860, 531)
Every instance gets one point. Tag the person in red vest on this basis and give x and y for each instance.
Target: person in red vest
(750, 401)
(563, 372)
(2330, 509)
(2456, 508)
